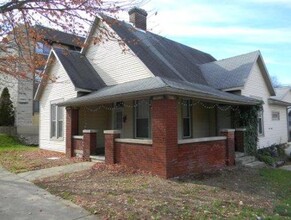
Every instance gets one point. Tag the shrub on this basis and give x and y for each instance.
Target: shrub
(6, 109)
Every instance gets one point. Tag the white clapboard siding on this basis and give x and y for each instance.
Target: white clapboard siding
(275, 132)
(61, 89)
(113, 65)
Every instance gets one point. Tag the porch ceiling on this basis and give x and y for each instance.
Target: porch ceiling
(159, 86)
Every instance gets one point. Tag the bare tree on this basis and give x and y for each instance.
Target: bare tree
(18, 37)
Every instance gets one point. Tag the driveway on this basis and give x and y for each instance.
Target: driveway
(20, 199)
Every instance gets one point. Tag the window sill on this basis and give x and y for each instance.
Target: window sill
(57, 139)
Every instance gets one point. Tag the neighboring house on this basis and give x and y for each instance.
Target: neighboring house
(161, 106)
(283, 95)
(22, 89)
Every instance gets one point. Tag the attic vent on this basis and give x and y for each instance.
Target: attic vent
(138, 17)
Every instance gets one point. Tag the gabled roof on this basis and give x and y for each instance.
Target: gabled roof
(157, 86)
(59, 36)
(79, 69)
(281, 92)
(233, 72)
(81, 72)
(163, 57)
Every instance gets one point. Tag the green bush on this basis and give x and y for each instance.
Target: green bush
(6, 109)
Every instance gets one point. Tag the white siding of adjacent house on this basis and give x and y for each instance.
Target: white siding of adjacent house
(275, 132)
(62, 89)
(113, 65)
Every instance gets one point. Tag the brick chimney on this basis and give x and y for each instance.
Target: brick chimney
(138, 17)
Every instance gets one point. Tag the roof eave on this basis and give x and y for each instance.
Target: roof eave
(272, 101)
(159, 91)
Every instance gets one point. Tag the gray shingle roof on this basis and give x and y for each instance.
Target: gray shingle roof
(158, 86)
(59, 36)
(81, 72)
(229, 73)
(164, 57)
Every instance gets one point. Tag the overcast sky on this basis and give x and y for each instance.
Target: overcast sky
(227, 28)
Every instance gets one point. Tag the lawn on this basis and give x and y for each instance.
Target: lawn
(116, 192)
(17, 158)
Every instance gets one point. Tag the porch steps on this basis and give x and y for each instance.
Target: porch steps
(97, 158)
(241, 159)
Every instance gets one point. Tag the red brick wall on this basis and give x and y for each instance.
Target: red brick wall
(239, 140)
(72, 116)
(200, 157)
(77, 144)
(137, 156)
(165, 136)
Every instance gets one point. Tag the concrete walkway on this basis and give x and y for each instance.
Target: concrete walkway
(286, 167)
(20, 199)
(38, 174)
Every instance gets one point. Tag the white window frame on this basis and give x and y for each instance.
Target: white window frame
(275, 116)
(189, 117)
(54, 107)
(261, 116)
(136, 105)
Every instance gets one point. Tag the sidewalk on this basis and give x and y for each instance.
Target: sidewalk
(53, 171)
(20, 199)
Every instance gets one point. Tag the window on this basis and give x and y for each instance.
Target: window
(260, 123)
(57, 121)
(118, 115)
(187, 118)
(142, 119)
(275, 116)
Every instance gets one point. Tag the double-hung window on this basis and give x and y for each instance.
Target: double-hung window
(57, 121)
(118, 115)
(275, 116)
(142, 119)
(187, 118)
(260, 123)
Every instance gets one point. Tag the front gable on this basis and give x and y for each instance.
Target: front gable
(258, 83)
(114, 63)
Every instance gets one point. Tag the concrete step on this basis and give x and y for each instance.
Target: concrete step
(255, 164)
(245, 160)
(97, 158)
(239, 154)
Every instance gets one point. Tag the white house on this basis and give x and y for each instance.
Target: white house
(157, 94)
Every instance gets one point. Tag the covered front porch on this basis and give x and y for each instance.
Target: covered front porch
(166, 135)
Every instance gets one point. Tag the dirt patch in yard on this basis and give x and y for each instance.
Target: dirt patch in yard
(22, 160)
(116, 192)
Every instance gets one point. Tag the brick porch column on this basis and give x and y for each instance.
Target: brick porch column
(72, 117)
(110, 136)
(240, 139)
(164, 136)
(89, 143)
(230, 152)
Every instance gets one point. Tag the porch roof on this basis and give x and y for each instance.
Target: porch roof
(158, 86)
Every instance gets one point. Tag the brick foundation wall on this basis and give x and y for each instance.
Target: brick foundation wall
(200, 157)
(137, 156)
